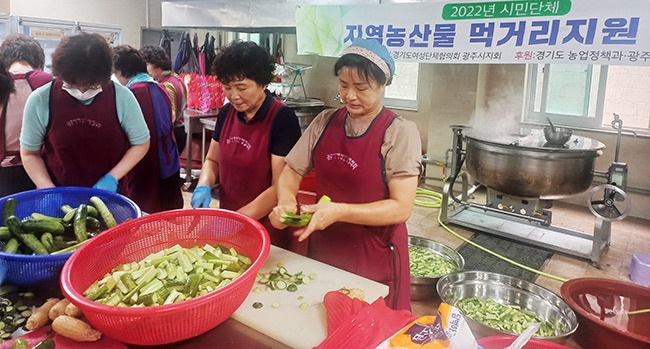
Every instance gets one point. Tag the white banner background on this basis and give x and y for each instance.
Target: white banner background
(613, 32)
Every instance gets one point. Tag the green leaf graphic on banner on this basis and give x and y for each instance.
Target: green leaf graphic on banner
(321, 29)
(505, 9)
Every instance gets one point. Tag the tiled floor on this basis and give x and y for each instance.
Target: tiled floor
(629, 236)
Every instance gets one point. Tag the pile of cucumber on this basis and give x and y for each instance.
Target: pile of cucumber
(41, 234)
(507, 318)
(13, 315)
(169, 276)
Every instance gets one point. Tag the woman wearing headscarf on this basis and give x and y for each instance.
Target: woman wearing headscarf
(82, 129)
(155, 182)
(24, 58)
(253, 133)
(367, 160)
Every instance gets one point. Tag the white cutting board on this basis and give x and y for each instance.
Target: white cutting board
(288, 324)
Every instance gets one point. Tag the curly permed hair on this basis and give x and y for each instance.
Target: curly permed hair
(156, 56)
(19, 47)
(128, 60)
(241, 60)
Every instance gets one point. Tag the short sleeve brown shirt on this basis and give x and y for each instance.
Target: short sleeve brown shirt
(402, 148)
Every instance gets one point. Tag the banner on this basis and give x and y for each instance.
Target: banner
(615, 32)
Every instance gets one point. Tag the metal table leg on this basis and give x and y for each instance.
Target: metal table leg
(188, 161)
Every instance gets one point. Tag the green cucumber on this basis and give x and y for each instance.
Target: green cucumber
(29, 240)
(295, 220)
(11, 246)
(20, 343)
(5, 234)
(104, 212)
(92, 223)
(36, 215)
(79, 224)
(9, 209)
(69, 216)
(48, 241)
(92, 211)
(40, 226)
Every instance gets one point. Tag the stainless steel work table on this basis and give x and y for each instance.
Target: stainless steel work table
(191, 116)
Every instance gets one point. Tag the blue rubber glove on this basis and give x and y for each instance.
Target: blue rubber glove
(201, 196)
(108, 182)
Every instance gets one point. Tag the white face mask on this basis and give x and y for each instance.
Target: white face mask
(82, 96)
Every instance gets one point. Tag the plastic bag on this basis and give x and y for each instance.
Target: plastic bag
(352, 323)
(204, 92)
(447, 330)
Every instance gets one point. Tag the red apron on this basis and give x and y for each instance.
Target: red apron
(351, 170)
(83, 142)
(245, 165)
(11, 116)
(143, 184)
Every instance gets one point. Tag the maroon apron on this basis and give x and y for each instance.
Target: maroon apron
(83, 142)
(245, 165)
(142, 183)
(11, 116)
(351, 170)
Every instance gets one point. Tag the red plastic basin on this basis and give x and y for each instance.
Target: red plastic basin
(500, 342)
(601, 306)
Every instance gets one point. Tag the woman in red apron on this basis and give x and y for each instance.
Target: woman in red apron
(82, 129)
(253, 133)
(24, 59)
(367, 160)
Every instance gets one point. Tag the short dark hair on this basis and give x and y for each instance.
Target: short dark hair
(157, 56)
(244, 60)
(128, 60)
(6, 84)
(19, 47)
(366, 68)
(83, 60)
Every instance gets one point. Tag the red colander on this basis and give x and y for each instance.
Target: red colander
(133, 241)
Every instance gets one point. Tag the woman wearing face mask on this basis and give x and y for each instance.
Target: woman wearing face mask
(252, 135)
(367, 160)
(82, 129)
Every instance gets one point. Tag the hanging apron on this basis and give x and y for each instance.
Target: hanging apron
(351, 170)
(83, 142)
(245, 165)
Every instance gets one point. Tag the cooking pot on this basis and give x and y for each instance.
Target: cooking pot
(530, 167)
(557, 135)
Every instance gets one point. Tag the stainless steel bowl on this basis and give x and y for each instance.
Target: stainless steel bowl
(424, 288)
(510, 291)
(557, 135)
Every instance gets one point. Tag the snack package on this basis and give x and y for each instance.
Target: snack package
(447, 330)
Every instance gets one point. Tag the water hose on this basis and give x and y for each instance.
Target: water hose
(434, 200)
(428, 198)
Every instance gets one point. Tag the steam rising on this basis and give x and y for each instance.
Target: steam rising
(500, 117)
